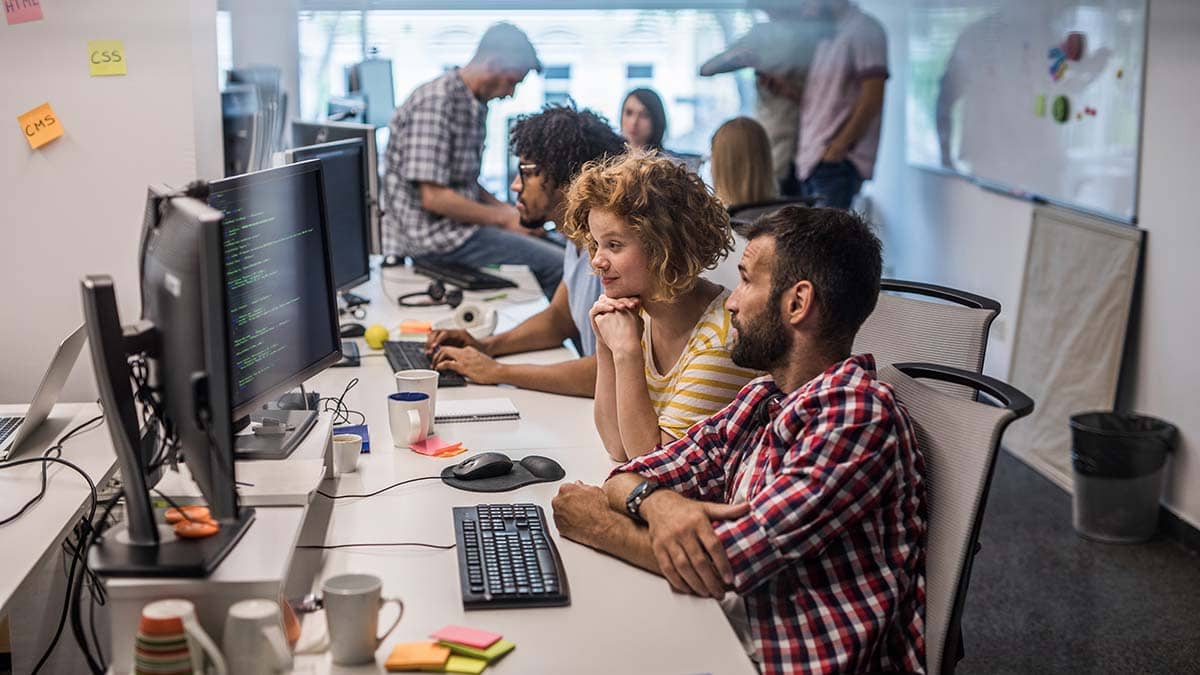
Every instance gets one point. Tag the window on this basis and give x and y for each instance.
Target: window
(639, 71)
(224, 46)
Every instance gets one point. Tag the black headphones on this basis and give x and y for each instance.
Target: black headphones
(437, 294)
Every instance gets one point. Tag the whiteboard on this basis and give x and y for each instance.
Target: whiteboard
(984, 78)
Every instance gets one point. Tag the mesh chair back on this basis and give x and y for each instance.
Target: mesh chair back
(958, 438)
(742, 214)
(904, 329)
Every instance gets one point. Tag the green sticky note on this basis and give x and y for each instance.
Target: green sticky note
(465, 664)
(498, 649)
(1039, 105)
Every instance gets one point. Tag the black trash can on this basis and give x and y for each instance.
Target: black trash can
(1118, 460)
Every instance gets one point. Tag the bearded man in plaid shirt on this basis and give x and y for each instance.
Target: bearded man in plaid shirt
(436, 209)
(800, 506)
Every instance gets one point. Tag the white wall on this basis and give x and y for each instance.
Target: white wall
(944, 230)
(75, 206)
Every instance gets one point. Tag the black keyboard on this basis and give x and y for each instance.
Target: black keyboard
(463, 276)
(411, 356)
(506, 558)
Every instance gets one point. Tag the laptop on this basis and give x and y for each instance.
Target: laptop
(14, 430)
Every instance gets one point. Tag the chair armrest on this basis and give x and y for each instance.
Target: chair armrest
(1009, 396)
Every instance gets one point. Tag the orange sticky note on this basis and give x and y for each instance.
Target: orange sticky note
(417, 656)
(434, 446)
(40, 125)
(21, 11)
(414, 326)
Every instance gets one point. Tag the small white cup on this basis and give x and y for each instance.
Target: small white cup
(254, 642)
(346, 449)
(423, 381)
(408, 415)
(352, 603)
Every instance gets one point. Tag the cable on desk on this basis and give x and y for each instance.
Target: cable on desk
(337, 406)
(442, 547)
(372, 494)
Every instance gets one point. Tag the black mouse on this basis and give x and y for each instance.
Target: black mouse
(392, 260)
(352, 330)
(483, 465)
(543, 467)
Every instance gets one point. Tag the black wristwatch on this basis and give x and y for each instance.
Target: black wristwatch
(633, 503)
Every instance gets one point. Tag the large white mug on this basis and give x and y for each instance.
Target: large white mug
(352, 605)
(162, 621)
(346, 451)
(254, 641)
(424, 381)
(409, 417)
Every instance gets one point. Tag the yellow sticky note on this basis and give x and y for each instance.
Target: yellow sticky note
(40, 126)
(465, 664)
(106, 57)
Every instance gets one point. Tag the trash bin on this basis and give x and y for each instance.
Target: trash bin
(1118, 460)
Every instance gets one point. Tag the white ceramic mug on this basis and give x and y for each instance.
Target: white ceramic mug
(199, 643)
(254, 641)
(346, 450)
(423, 381)
(408, 415)
(352, 605)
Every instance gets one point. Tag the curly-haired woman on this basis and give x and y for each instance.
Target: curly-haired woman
(663, 335)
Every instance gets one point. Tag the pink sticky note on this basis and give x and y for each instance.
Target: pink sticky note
(434, 446)
(21, 11)
(471, 637)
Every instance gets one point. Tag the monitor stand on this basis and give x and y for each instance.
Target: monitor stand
(293, 426)
(114, 556)
(353, 299)
(351, 357)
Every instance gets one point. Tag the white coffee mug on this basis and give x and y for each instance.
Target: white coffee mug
(346, 450)
(408, 415)
(424, 381)
(254, 641)
(199, 643)
(352, 605)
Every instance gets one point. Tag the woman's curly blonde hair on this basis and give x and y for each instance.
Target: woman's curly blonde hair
(683, 228)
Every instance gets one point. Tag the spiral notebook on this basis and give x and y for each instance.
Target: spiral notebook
(476, 410)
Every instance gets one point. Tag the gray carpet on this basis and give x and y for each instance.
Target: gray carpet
(1044, 600)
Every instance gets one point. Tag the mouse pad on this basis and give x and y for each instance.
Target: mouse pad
(530, 470)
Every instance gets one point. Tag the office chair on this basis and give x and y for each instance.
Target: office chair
(743, 214)
(959, 439)
(952, 332)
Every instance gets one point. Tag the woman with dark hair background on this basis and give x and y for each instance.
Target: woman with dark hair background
(643, 119)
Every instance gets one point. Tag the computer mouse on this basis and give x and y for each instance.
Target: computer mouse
(392, 260)
(543, 467)
(352, 330)
(483, 465)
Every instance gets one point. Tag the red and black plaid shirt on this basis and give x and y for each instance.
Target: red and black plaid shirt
(830, 560)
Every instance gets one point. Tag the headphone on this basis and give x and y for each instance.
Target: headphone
(437, 294)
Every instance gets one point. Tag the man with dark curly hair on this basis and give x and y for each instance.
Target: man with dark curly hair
(551, 146)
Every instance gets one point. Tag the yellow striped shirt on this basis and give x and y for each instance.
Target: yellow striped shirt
(704, 379)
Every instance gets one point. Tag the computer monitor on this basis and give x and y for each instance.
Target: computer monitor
(351, 108)
(240, 126)
(281, 316)
(373, 79)
(315, 133)
(345, 168)
(182, 389)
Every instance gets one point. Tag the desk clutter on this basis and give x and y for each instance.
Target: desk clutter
(458, 649)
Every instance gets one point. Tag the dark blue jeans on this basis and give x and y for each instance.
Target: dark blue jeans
(494, 246)
(833, 184)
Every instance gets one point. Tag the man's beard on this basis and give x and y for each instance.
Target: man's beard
(762, 344)
(532, 222)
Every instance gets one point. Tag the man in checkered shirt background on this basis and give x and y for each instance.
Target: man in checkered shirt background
(800, 506)
(437, 210)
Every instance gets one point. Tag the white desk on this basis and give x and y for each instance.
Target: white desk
(621, 619)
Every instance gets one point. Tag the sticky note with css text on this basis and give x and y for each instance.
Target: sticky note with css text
(40, 126)
(106, 57)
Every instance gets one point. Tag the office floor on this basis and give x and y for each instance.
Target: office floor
(1044, 600)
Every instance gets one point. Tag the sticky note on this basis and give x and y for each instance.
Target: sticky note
(471, 637)
(412, 326)
(434, 446)
(106, 57)
(40, 125)
(1039, 105)
(500, 648)
(21, 11)
(417, 656)
(465, 664)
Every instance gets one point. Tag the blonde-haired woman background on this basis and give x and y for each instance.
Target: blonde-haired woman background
(663, 335)
(742, 172)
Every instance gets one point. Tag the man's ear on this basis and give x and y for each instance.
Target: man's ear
(797, 303)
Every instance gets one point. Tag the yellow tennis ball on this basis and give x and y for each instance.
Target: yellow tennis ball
(375, 335)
